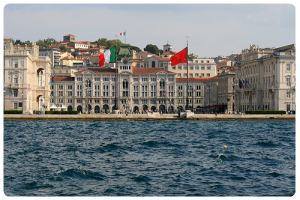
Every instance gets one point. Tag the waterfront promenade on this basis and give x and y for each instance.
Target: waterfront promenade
(144, 117)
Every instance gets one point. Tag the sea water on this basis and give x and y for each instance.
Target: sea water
(149, 158)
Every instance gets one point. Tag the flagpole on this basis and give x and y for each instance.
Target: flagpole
(116, 80)
(187, 72)
(125, 36)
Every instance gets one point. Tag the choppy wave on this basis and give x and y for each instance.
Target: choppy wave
(268, 143)
(168, 158)
(82, 174)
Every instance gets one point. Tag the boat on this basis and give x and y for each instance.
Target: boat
(186, 114)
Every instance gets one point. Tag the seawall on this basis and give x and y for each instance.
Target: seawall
(143, 117)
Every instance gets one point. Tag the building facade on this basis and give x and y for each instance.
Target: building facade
(92, 90)
(266, 79)
(198, 68)
(53, 54)
(26, 78)
(226, 88)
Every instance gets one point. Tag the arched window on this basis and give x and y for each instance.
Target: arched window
(125, 84)
(162, 84)
(125, 88)
(41, 79)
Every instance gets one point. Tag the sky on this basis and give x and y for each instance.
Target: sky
(211, 29)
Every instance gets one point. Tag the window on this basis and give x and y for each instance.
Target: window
(288, 107)
(60, 93)
(16, 64)
(153, 64)
(288, 67)
(144, 90)
(125, 85)
(136, 91)
(70, 87)
(105, 90)
(20, 104)
(162, 84)
(208, 67)
(105, 78)
(202, 68)
(288, 94)
(288, 80)
(144, 79)
(16, 79)
(208, 74)
(97, 79)
(136, 79)
(70, 93)
(79, 78)
(15, 92)
(153, 90)
(40, 78)
(15, 105)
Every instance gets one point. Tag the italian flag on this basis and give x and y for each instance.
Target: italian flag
(109, 56)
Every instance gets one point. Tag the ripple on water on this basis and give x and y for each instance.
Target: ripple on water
(81, 174)
(149, 158)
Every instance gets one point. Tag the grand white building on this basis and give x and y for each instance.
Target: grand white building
(92, 90)
(266, 79)
(26, 78)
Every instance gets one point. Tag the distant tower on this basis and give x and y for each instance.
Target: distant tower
(167, 47)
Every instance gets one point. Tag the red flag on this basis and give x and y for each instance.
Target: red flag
(180, 57)
(101, 60)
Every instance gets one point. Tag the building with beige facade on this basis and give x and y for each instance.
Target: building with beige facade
(266, 79)
(198, 68)
(26, 78)
(92, 90)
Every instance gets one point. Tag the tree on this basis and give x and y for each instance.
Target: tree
(63, 48)
(27, 42)
(46, 43)
(151, 48)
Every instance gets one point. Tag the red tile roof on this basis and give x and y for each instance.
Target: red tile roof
(97, 69)
(195, 80)
(62, 78)
(145, 71)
